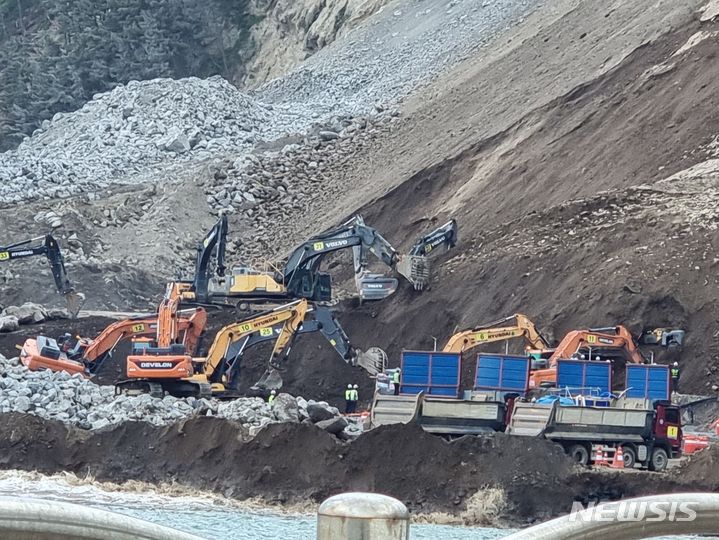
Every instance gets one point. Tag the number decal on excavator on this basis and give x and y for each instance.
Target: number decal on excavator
(137, 328)
(672, 432)
(318, 246)
(245, 327)
(591, 339)
(428, 248)
(4, 255)
(264, 332)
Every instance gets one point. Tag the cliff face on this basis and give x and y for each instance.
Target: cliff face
(292, 30)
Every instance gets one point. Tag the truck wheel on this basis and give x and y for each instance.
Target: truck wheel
(630, 457)
(659, 460)
(579, 454)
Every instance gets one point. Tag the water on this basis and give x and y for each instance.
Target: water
(207, 516)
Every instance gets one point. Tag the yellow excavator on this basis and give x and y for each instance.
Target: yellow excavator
(492, 332)
(160, 370)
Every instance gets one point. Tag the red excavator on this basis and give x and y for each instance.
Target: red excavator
(598, 343)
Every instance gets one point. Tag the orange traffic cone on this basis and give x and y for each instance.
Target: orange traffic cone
(618, 461)
(598, 457)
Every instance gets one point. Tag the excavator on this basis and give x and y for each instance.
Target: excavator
(160, 370)
(604, 343)
(492, 332)
(49, 247)
(301, 276)
(87, 355)
(318, 319)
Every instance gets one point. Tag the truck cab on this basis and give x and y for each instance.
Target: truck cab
(667, 429)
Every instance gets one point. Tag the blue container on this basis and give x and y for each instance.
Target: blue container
(582, 374)
(435, 373)
(502, 373)
(648, 381)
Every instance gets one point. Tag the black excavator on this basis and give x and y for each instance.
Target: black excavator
(301, 276)
(50, 248)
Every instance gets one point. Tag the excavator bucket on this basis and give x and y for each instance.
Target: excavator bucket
(375, 286)
(74, 301)
(270, 380)
(416, 269)
(373, 360)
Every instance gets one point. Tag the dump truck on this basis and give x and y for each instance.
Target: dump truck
(649, 433)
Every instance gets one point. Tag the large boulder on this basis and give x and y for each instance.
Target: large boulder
(285, 408)
(334, 425)
(28, 313)
(9, 323)
(319, 412)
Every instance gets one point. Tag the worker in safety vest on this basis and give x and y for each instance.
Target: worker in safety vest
(355, 397)
(349, 394)
(396, 380)
(271, 397)
(676, 373)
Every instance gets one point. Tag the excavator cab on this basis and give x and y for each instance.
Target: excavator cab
(315, 286)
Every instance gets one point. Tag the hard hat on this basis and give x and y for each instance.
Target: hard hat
(273, 392)
(676, 364)
(355, 386)
(349, 386)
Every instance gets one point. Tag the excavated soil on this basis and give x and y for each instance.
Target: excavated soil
(288, 463)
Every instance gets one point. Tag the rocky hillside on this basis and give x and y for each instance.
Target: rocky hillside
(55, 57)
(570, 143)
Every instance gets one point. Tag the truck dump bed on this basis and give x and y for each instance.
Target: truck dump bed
(457, 417)
(581, 423)
(389, 409)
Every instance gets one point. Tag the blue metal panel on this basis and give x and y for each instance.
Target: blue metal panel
(648, 381)
(502, 373)
(435, 373)
(580, 374)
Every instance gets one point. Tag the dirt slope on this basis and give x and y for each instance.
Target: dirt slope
(297, 463)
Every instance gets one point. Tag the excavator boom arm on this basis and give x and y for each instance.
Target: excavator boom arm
(50, 248)
(490, 333)
(444, 235)
(291, 315)
(212, 247)
(620, 338)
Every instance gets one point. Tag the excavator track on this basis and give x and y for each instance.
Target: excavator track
(161, 388)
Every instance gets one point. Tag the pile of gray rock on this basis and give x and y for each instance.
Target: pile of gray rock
(75, 400)
(120, 136)
(13, 316)
(273, 190)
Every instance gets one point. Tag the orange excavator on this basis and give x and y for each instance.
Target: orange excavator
(605, 343)
(88, 355)
(172, 369)
(492, 332)
(157, 370)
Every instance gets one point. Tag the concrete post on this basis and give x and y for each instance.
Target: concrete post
(643, 517)
(362, 516)
(37, 519)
